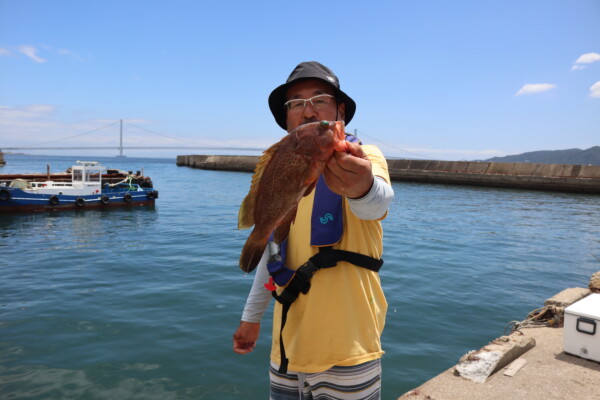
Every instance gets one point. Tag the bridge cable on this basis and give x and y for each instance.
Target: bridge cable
(361, 133)
(156, 133)
(80, 134)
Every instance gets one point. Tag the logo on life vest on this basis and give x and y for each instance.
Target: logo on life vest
(326, 218)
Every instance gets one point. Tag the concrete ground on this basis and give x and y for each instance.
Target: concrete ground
(549, 373)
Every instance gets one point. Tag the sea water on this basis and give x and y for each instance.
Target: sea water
(142, 302)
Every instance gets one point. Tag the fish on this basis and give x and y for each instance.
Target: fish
(284, 173)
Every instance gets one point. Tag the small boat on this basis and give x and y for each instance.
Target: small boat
(85, 185)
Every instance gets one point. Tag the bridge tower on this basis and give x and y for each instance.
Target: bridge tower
(121, 141)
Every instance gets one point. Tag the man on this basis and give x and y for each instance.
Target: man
(326, 340)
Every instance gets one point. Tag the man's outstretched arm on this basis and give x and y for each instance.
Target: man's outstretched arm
(246, 335)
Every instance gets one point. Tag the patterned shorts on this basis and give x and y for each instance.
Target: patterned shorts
(359, 382)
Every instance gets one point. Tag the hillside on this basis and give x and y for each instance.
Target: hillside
(569, 156)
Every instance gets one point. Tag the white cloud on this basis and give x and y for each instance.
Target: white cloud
(35, 124)
(586, 58)
(490, 153)
(70, 54)
(595, 90)
(24, 123)
(31, 52)
(531, 88)
(10, 115)
(441, 154)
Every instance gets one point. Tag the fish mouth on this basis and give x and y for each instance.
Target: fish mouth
(313, 120)
(309, 121)
(322, 123)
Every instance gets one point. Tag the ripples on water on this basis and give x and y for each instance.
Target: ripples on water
(141, 303)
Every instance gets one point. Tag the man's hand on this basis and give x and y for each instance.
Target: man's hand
(349, 173)
(245, 337)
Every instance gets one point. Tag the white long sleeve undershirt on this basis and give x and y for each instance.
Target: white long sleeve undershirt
(373, 205)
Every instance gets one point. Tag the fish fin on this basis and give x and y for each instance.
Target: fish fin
(252, 251)
(310, 188)
(340, 134)
(246, 212)
(282, 231)
(341, 146)
(340, 130)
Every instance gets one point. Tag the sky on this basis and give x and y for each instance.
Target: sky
(448, 80)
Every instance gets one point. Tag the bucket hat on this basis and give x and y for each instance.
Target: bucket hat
(307, 70)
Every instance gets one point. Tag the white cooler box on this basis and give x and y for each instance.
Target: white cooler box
(581, 334)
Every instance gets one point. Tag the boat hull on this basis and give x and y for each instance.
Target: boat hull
(18, 200)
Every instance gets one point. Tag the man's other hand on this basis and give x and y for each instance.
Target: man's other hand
(245, 337)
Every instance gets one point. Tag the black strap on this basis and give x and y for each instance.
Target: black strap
(283, 365)
(327, 257)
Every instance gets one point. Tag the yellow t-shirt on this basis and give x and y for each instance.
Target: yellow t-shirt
(340, 321)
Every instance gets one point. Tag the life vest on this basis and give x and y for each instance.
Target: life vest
(327, 227)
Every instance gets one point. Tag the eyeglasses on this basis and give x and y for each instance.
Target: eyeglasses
(318, 102)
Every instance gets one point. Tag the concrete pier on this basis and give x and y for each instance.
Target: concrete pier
(541, 372)
(548, 373)
(554, 177)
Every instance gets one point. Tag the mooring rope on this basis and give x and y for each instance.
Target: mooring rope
(540, 317)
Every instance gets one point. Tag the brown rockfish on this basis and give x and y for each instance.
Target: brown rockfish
(285, 173)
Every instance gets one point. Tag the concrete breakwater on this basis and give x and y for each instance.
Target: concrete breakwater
(555, 177)
(219, 163)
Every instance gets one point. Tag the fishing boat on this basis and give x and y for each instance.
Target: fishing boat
(87, 184)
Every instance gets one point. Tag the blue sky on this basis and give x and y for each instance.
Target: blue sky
(458, 80)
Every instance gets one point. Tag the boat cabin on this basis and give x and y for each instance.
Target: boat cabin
(87, 173)
(86, 178)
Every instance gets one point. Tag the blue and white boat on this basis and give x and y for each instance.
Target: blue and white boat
(87, 185)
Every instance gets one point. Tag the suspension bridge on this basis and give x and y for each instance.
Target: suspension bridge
(187, 146)
(121, 147)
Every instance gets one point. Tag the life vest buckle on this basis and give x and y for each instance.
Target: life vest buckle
(270, 286)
